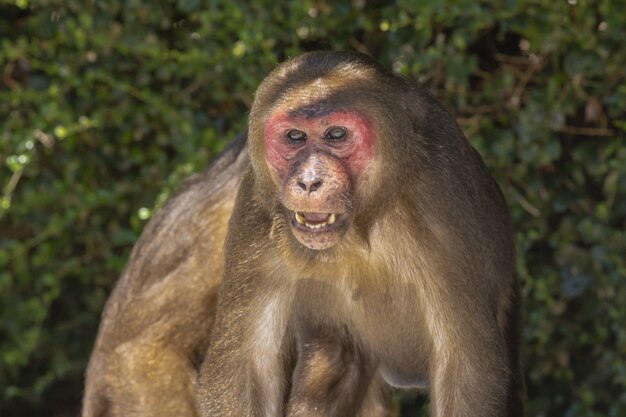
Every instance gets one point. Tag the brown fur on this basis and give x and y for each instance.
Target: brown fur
(155, 326)
(420, 290)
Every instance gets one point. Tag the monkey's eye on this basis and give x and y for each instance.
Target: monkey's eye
(336, 133)
(296, 135)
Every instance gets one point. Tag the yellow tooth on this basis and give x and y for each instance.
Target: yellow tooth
(299, 218)
(331, 219)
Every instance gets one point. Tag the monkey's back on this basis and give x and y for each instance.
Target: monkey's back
(156, 323)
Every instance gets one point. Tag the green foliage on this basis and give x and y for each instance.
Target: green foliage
(107, 105)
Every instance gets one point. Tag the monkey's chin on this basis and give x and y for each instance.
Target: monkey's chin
(318, 231)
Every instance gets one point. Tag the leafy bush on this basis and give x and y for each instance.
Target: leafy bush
(107, 105)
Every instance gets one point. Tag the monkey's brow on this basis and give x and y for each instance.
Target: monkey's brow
(314, 110)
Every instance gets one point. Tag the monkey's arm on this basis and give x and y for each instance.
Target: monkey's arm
(156, 322)
(476, 368)
(466, 381)
(472, 370)
(244, 371)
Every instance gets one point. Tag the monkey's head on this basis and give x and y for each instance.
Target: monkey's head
(315, 142)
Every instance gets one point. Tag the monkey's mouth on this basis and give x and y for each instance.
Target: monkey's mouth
(318, 231)
(315, 222)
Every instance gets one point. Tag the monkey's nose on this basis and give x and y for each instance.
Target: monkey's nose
(309, 184)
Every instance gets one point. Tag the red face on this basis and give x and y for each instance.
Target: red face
(317, 161)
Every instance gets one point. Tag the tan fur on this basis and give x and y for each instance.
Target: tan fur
(156, 323)
(418, 291)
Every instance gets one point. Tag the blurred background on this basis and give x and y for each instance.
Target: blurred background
(105, 106)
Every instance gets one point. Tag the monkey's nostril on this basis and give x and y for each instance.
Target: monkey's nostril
(315, 186)
(309, 186)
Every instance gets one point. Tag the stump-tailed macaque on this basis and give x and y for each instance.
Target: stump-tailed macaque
(368, 246)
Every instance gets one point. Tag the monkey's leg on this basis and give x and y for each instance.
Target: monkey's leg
(130, 369)
(332, 378)
(177, 381)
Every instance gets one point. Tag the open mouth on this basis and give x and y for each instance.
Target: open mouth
(314, 222)
(319, 231)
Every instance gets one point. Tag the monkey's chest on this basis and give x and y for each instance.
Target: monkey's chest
(386, 323)
(398, 337)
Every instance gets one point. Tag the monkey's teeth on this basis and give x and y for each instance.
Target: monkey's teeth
(315, 226)
(301, 219)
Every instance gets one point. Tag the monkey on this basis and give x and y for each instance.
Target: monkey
(368, 247)
(156, 323)
(410, 285)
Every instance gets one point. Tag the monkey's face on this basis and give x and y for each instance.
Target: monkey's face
(317, 160)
